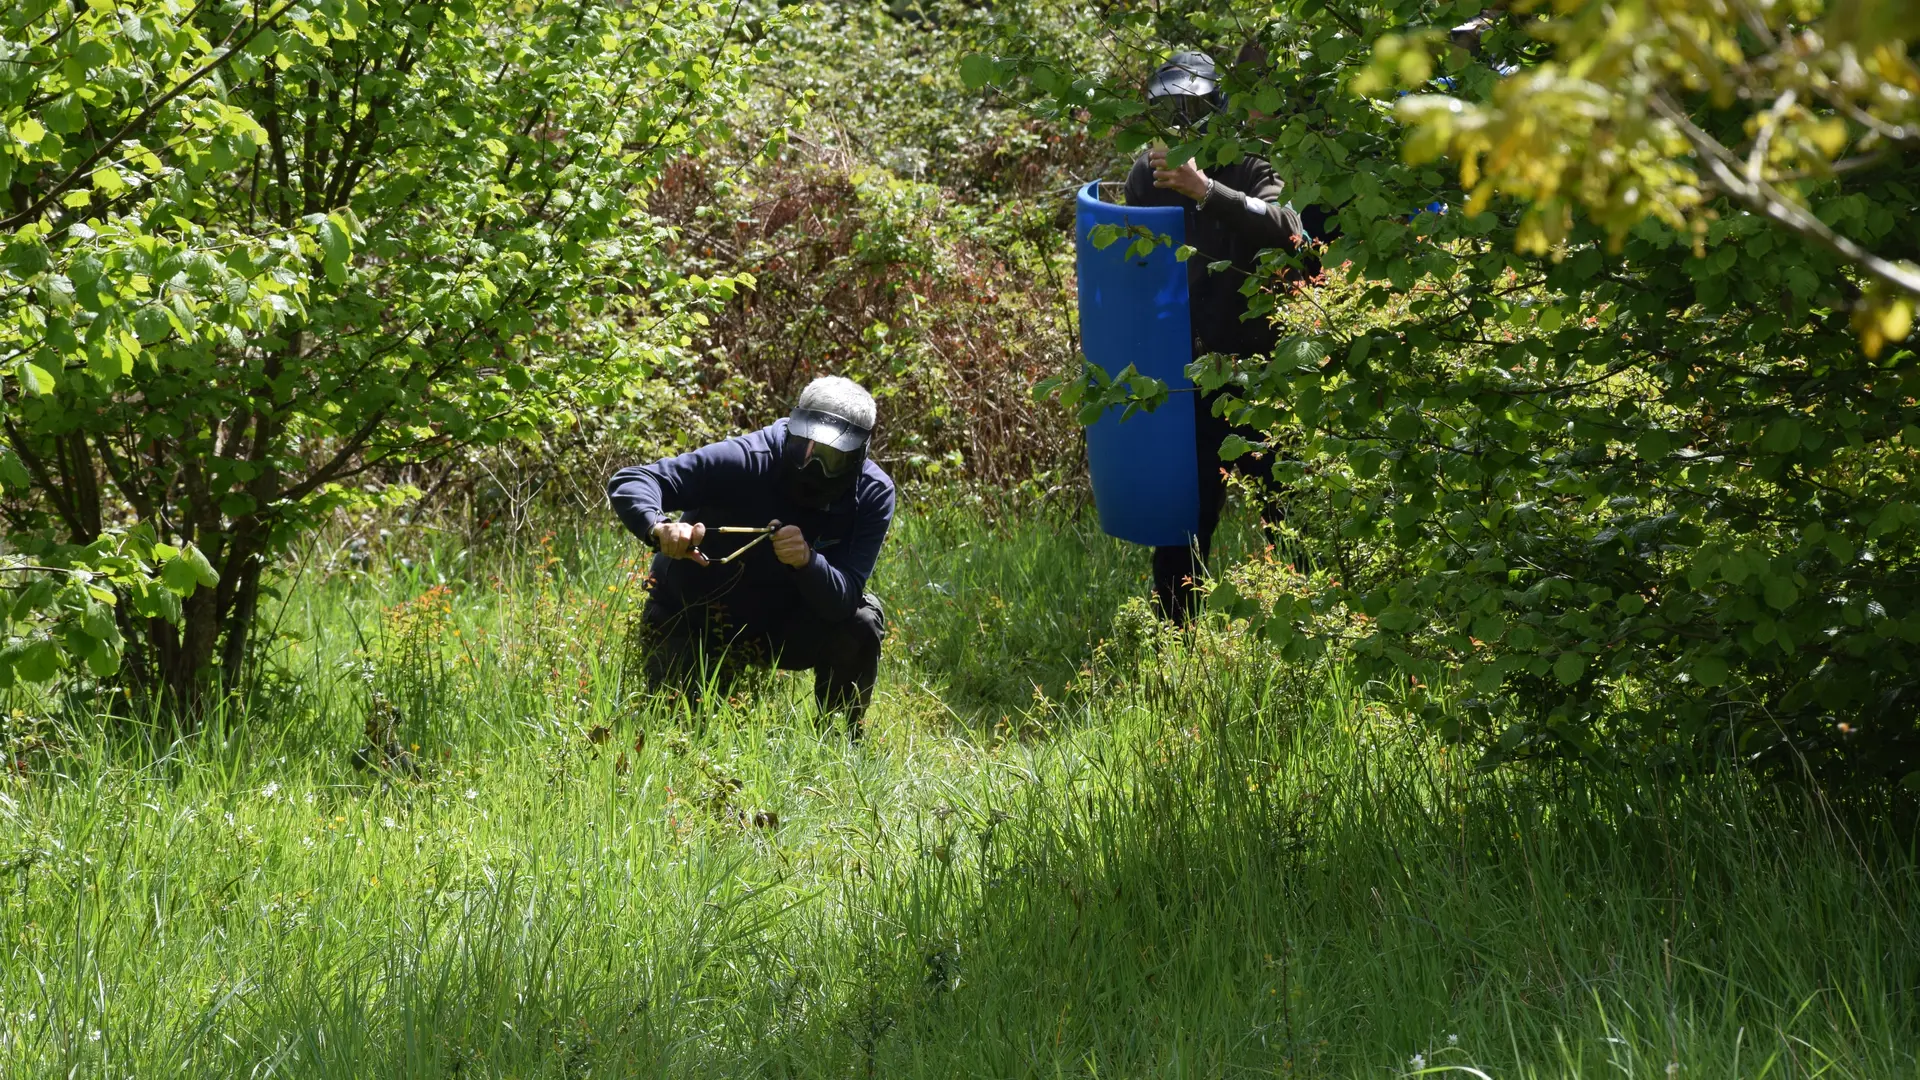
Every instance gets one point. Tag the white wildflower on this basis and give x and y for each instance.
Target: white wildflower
(1673, 1069)
(1453, 1040)
(272, 789)
(389, 823)
(1417, 1062)
(94, 1035)
(310, 798)
(472, 794)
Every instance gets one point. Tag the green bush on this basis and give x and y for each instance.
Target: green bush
(899, 228)
(1643, 494)
(252, 254)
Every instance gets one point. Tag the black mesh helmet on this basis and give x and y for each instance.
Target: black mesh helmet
(1185, 91)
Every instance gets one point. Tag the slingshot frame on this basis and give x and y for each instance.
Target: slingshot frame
(758, 532)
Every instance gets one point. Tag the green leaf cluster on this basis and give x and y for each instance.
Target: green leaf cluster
(63, 605)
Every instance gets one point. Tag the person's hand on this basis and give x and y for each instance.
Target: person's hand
(790, 547)
(1187, 179)
(681, 540)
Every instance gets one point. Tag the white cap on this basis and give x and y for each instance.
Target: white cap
(839, 397)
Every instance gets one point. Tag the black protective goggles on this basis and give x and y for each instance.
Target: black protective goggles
(833, 461)
(1180, 112)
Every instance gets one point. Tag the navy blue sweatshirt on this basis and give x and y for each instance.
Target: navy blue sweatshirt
(737, 482)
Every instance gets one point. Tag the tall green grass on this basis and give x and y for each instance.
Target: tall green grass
(1173, 857)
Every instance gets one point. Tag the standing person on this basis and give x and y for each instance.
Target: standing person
(1233, 213)
(798, 603)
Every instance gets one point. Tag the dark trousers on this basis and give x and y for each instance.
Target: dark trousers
(1177, 570)
(694, 649)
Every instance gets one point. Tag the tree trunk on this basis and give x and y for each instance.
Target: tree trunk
(177, 674)
(238, 625)
(183, 671)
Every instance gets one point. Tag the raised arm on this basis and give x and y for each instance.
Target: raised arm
(1142, 192)
(1258, 212)
(643, 495)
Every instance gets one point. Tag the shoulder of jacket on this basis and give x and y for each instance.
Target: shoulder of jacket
(873, 476)
(764, 442)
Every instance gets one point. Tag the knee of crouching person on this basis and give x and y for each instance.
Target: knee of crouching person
(870, 621)
(855, 639)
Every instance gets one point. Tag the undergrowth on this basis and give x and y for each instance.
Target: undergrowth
(450, 839)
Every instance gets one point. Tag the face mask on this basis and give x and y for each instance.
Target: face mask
(1181, 113)
(815, 475)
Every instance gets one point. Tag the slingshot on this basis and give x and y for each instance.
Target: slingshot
(758, 532)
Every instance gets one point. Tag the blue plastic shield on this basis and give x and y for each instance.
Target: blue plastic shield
(1134, 311)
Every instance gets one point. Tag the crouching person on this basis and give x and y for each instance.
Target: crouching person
(767, 564)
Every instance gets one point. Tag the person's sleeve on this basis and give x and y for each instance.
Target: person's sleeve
(1319, 222)
(1141, 192)
(643, 495)
(1258, 212)
(832, 582)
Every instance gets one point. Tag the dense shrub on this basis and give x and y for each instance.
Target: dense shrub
(382, 234)
(1627, 486)
(949, 311)
(899, 228)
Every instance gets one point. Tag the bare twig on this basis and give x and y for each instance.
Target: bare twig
(1757, 160)
(1763, 198)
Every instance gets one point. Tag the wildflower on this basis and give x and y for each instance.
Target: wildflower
(1673, 1069)
(389, 823)
(1453, 1040)
(1417, 1062)
(94, 1035)
(472, 794)
(272, 789)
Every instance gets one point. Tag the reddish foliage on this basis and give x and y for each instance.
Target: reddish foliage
(871, 278)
